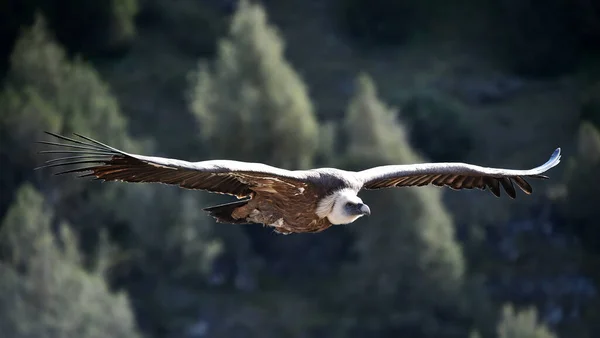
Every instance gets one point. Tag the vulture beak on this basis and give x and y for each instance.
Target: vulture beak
(364, 209)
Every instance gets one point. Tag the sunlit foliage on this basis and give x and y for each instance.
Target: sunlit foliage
(253, 91)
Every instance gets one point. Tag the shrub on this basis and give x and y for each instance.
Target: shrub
(44, 290)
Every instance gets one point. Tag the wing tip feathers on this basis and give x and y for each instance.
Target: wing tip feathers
(554, 159)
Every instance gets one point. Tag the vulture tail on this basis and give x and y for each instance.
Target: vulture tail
(223, 212)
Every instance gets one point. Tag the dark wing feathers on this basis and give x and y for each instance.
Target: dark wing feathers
(456, 176)
(241, 178)
(219, 176)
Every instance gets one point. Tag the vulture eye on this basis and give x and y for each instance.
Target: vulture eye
(350, 207)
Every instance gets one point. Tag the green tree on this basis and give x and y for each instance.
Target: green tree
(45, 90)
(250, 90)
(253, 92)
(176, 229)
(579, 206)
(409, 266)
(48, 91)
(521, 324)
(44, 290)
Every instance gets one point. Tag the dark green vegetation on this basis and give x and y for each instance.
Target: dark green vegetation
(345, 83)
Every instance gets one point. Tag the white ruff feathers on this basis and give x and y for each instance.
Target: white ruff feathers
(332, 206)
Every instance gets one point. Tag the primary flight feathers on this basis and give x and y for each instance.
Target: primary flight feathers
(288, 200)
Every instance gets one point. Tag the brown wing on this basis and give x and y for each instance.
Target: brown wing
(455, 176)
(219, 176)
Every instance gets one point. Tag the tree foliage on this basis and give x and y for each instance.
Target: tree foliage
(44, 290)
(51, 92)
(426, 114)
(399, 272)
(46, 90)
(579, 206)
(176, 230)
(409, 265)
(253, 91)
(521, 324)
(581, 200)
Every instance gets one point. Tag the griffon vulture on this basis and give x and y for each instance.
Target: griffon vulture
(290, 201)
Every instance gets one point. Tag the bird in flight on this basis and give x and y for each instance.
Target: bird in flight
(290, 201)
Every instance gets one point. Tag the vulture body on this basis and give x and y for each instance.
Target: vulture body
(290, 201)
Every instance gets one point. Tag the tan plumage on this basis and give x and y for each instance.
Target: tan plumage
(288, 200)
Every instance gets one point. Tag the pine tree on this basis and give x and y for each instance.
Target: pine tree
(44, 290)
(251, 104)
(45, 90)
(409, 266)
(372, 126)
(522, 324)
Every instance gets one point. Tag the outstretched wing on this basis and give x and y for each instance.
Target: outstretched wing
(219, 176)
(455, 175)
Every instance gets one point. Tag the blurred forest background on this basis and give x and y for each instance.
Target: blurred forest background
(298, 84)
